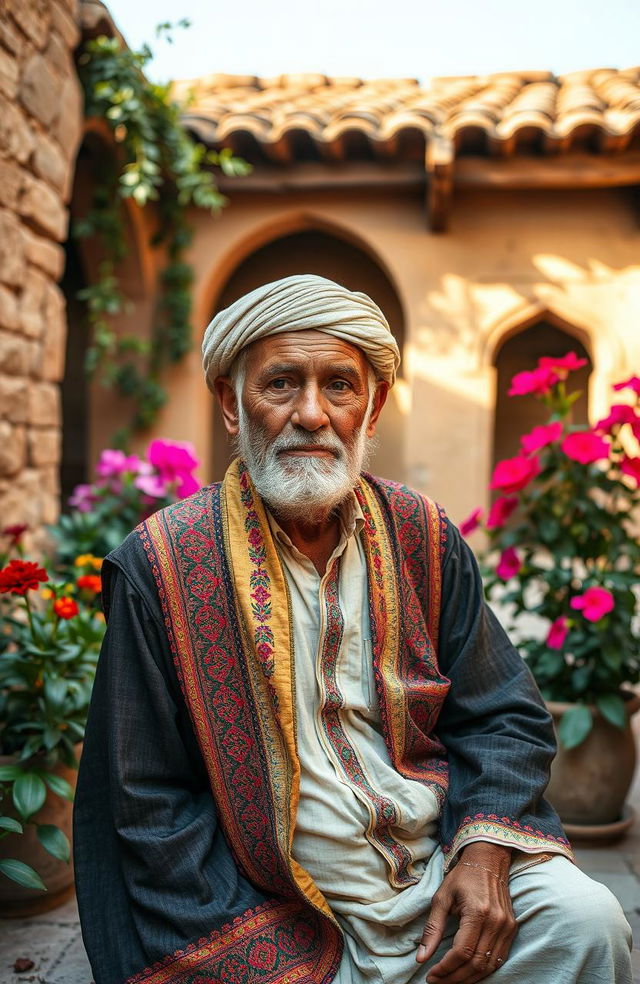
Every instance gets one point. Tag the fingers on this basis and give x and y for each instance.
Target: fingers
(434, 929)
(480, 947)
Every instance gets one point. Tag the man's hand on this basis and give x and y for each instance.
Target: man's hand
(477, 892)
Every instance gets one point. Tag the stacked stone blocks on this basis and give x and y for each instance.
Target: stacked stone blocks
(40, 129)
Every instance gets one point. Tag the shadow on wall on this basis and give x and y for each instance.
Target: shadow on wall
(319, 252)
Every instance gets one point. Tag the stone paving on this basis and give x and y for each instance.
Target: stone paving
(54, 944)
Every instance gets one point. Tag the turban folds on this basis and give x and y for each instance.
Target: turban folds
(294, 304)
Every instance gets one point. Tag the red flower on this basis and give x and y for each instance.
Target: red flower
(15, 532)
(513, 474)
(90, 582)
(620, 413)
(558, 632)
(471, 523)
(585, 447)
(563, 365)
(594, 603)
(500, 511)
(539, 381)
(631, 467)
(539, 437)
(21, 576)
(509, 565)
(633, 383)
(65, 607)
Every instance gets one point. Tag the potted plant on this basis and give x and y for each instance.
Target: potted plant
(563, 559)
(51, 630)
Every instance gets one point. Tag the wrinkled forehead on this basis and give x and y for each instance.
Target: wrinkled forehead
(306, 349)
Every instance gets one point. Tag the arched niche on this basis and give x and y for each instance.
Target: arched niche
(320, 252)
(90, 412)
(519, 351)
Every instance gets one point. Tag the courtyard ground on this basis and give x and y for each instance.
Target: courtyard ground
(54, 944)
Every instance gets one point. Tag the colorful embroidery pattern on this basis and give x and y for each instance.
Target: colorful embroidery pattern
(259, 579)
(383, 811)
(503, 830)
(274, 944)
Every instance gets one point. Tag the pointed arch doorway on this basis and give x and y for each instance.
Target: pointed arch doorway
(321, 252)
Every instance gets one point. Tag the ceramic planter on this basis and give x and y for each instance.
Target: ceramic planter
(589, 784)
(15, 900)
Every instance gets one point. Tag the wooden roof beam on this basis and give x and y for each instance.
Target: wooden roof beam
(439, 165)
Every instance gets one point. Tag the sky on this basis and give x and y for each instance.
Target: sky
(388, 38)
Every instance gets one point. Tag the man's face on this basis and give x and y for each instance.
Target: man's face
(308, 403)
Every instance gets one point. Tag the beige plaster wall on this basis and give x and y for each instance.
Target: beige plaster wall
(507, 257)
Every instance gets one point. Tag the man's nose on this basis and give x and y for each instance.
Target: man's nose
(310, 409)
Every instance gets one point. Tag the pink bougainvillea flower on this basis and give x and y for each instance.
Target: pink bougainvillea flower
(594, 603)
(513, 474)
(631, 467)
(500, 511)
(538, 381)
(152, 485)
(557, 632)
(174, 461)
(563, 365)
(585, 447)
(620, 413)
(113, 462)
(471, 523)
(83, 498)
(509, 564)
(539, 437)
(633, 383)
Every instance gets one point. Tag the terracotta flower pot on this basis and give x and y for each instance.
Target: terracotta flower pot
(589, 784)
(15, 900)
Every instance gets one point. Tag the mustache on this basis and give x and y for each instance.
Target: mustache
(298, 442)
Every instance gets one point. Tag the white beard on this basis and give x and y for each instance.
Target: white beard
(302, 487)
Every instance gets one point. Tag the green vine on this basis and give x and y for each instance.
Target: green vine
(157, 161)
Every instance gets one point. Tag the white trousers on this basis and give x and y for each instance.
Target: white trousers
(571, 930)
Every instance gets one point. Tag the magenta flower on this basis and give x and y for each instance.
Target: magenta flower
(538, 381)
(585, 447)
(83, 498)
(509, 564)
(513, 474)
(633, 383)
(151, 485)
(619, 414)
(594, 603)
(631, 467)
(539, 437)
(113, 463)
(558, 632)
(174, 461)
(500, 511)
(563, 365)
(471, 523)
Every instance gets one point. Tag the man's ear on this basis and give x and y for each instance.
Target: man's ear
(379, 400)
(226, 394)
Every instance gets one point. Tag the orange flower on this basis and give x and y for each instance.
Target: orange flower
(90, 582)
(65, 607)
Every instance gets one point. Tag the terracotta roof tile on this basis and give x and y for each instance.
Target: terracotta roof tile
(288, 116)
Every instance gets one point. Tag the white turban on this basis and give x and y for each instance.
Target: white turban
(295, 304)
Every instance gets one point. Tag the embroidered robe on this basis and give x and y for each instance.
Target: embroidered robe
(188, 784)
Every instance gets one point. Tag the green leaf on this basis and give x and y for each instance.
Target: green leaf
(612, 707)
(10, 772)
(21, 873)
(54, 841)
(59, 786)
(29, 794)
(575, 725)
(8, 823)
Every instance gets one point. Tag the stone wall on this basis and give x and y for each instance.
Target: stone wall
(40, 128)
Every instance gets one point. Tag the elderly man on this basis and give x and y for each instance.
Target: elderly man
(312, 755)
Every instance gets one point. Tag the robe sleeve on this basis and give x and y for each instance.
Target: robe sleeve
(494, 724)
(153, 872)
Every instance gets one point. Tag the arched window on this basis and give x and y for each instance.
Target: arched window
(319, 252)
(516, 415)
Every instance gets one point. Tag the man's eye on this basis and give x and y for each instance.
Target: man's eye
(340, 384)
(279, 383)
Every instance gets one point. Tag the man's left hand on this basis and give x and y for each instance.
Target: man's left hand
(477, 892)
